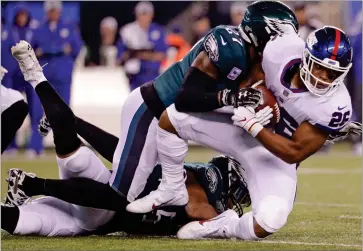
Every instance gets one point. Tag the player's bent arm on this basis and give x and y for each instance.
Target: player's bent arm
(198, 207)
(193, 96)
(306, 140)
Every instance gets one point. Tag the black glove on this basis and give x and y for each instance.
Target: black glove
(243, 97)
(44, 126)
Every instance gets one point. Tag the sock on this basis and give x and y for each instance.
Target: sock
(244, 228)
(103, 142)
(80, 191)
(61, 119)
(11, 120)
(172, 151)
(41, 78)
(33, 186)
(9, 218)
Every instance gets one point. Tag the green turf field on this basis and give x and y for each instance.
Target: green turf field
(327, 214)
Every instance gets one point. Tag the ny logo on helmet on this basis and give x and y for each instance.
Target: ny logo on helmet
(279, 26)
(311, 40)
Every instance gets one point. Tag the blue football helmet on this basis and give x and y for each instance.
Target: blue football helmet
(326, 49)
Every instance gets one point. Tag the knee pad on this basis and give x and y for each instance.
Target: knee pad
(77, 162)
(84, 163)
(272, 213)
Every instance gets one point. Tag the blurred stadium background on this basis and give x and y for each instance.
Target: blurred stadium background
(103, 69)
(110, 62)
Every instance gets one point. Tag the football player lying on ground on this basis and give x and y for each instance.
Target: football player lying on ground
(212, 187)
(13, 112)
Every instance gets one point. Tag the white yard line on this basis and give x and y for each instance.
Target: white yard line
(312, 170)
(304, 203)
(352, 217)
(312, 243)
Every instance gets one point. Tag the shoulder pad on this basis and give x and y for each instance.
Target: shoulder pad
(225, 48)
(282, 49)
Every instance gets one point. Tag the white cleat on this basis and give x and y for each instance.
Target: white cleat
(28, 62)
(163, 196)
(15, 195)
(214, 228)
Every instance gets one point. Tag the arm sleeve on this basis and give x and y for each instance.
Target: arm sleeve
(193, 96)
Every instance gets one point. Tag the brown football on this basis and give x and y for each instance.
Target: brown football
(268, 99)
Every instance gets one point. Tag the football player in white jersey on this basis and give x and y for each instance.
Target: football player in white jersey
(307, 79)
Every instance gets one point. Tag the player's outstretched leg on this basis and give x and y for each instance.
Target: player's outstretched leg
(46, 216)
(225, 225)
(172, 191)
(11, 120)
(13, 112)
(82, 191)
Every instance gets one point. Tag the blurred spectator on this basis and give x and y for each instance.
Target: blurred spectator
(57, 45)
(178, 47)
(307, 19)
(237, 11)
(142, 46)
(108, 49)
(18, 30)
(354, 82)
(11, 34)
(201, 25)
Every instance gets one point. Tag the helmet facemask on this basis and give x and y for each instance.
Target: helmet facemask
(238, 192)
(316, 85)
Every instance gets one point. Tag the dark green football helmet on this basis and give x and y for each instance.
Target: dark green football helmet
(264, 20)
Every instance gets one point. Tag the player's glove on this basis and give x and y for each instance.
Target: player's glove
(245, 117)
(243, 97)
(44, 126)
(264, 116)
(350, 128)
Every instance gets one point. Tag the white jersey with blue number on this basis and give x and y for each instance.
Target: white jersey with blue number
(298, 105)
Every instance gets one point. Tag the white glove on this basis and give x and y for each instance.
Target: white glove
(3, 71)
(263, 116)
(245, 117)
(350, 128)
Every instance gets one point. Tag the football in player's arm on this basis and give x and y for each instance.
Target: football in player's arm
(328, 114)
